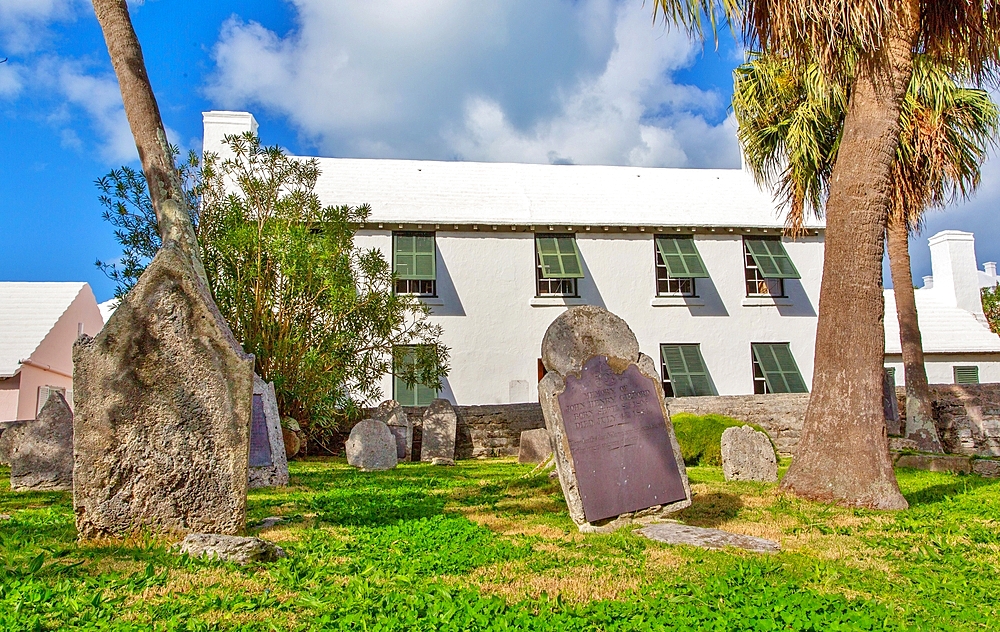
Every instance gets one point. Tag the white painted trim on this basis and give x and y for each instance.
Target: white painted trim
(677, 301)
(766, 301)
(556, 301)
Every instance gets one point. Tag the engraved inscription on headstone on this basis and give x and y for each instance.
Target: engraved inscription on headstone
(260, 444)
(618, 439)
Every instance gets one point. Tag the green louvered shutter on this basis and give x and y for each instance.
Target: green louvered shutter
(559, 257)
(780, 371)
(418, 394)
(414, 256)
(686, 370)
(771, 259)
(681, 257)
(966, 375)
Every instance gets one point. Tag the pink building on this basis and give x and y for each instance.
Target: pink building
(39, 322)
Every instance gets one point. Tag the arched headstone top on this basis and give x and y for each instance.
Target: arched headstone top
(580, 333)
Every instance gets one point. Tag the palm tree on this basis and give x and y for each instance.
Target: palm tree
(790, 127)
(842, 455)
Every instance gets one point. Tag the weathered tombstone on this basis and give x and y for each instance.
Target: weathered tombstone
(890, 405)
(41, 456)
(7, 434)
(290, 432)
(162, 424)
(535, 446)
(747, 455)
(371, 446)
(268, 463)
(438, 434)
(391, 413)
(615, 451)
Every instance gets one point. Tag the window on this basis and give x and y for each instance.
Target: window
(414, 263)
(557, 265)
(767, 265)
(43, 396)
(774, 369)
(416, 395)
(966, 374)
(684, 372)
(678, 264)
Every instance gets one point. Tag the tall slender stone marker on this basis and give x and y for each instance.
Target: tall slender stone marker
(41, 456)
(391, 413)
(162, 425)
(438, 439)
(615, 450)
(268, 461)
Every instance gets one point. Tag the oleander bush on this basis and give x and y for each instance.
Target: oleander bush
(488, 545)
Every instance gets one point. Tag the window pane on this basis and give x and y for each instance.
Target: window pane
(681, 257)
(778, 365)
(414, 256)
(418, 394)
(686, 370)
(771, 259)
(559, 257)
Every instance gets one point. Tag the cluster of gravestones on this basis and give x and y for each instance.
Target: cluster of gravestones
(386, 437)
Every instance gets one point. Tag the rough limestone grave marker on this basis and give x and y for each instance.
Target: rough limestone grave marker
(268, 461)
(162, 424)
(616, 454)
(391, 413)
(440, 425)
(371, 446)
(41, 456)
(747, 455)
(535, 446)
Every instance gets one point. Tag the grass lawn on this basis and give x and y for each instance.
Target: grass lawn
(488, 545)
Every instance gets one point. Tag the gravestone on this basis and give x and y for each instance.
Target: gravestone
(268, 462)
(440, 425)
(7, 434)
(535, 446)
(371, 446)
(747, 455)
(890, 405)
(674, 533)
(290, 432)
(616, 455)
(41, 456)
(391, 413)
(162, 419)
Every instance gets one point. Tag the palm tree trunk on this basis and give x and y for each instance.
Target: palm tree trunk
(843, 454)
(919, 412)
(143, 115)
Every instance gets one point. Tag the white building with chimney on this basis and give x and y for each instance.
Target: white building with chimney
(693, 259)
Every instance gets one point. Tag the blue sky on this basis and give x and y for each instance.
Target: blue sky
(586, 81)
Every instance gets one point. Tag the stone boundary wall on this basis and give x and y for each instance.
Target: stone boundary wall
(485, 431)
(968, 418)
(779, 414)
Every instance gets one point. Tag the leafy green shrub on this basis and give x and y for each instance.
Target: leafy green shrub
(700, 436)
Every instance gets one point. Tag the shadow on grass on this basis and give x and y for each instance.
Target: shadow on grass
(711, 510)
(938, 493)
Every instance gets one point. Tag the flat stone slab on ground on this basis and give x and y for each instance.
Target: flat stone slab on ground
(41, 455)
(230, 548)
(371, 446)
(675, 533)
(535, 446)
(747, 455)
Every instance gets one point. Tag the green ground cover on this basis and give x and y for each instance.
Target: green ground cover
(488, 545)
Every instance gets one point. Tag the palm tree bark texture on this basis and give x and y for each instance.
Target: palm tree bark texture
(143, 115)
(843, 454)
(919, 411)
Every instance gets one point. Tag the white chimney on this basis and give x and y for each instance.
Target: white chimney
(990, 268)
(219, 124)
(928, 282)
(956, 275)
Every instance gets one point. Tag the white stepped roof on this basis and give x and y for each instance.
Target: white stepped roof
(424, 191)
(943, 329)
(28, 311)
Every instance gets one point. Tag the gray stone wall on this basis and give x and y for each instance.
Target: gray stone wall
(779, 414)
(485, 431)
(968, 418)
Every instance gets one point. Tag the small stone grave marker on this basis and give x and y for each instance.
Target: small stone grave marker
(391, 413)
(747, 455)
(615, 451)
(268, 461)
(41, 456)
(439, 429)
(674, 533)
(371, 446)
(890, 405)
(535, 446)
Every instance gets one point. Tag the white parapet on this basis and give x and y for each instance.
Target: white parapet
(221, 123)
(956, 278)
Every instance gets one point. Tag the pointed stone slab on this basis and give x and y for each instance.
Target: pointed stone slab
(162, 427)
(268, 461)
(616, 455)
(391, 413)
(674, 533)
(41, 456)
(439, 429)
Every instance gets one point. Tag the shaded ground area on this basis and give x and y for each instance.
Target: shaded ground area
(488, 545)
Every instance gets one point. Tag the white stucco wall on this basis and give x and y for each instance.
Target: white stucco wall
(494, 324)
(940, 367)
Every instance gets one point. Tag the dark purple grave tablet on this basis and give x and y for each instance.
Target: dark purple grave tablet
(619, 442)
(260, 443)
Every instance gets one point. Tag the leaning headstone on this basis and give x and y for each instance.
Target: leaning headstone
(230, 548)
(268, 463)
(674, 533)
(391, 413)
(41, 456)
(438, 434)
(535, 446)
(371, 446)
(747, 455)
(162, 423)
(615, 450)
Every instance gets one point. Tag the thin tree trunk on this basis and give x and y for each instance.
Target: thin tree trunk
(843, 454)
(165, 192)
(919, 412)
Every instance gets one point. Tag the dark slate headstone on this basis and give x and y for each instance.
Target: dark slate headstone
(618, 440)
(890, 405)
(260, 444)
(268, 459)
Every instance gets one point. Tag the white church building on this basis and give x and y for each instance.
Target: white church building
(693, 259)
